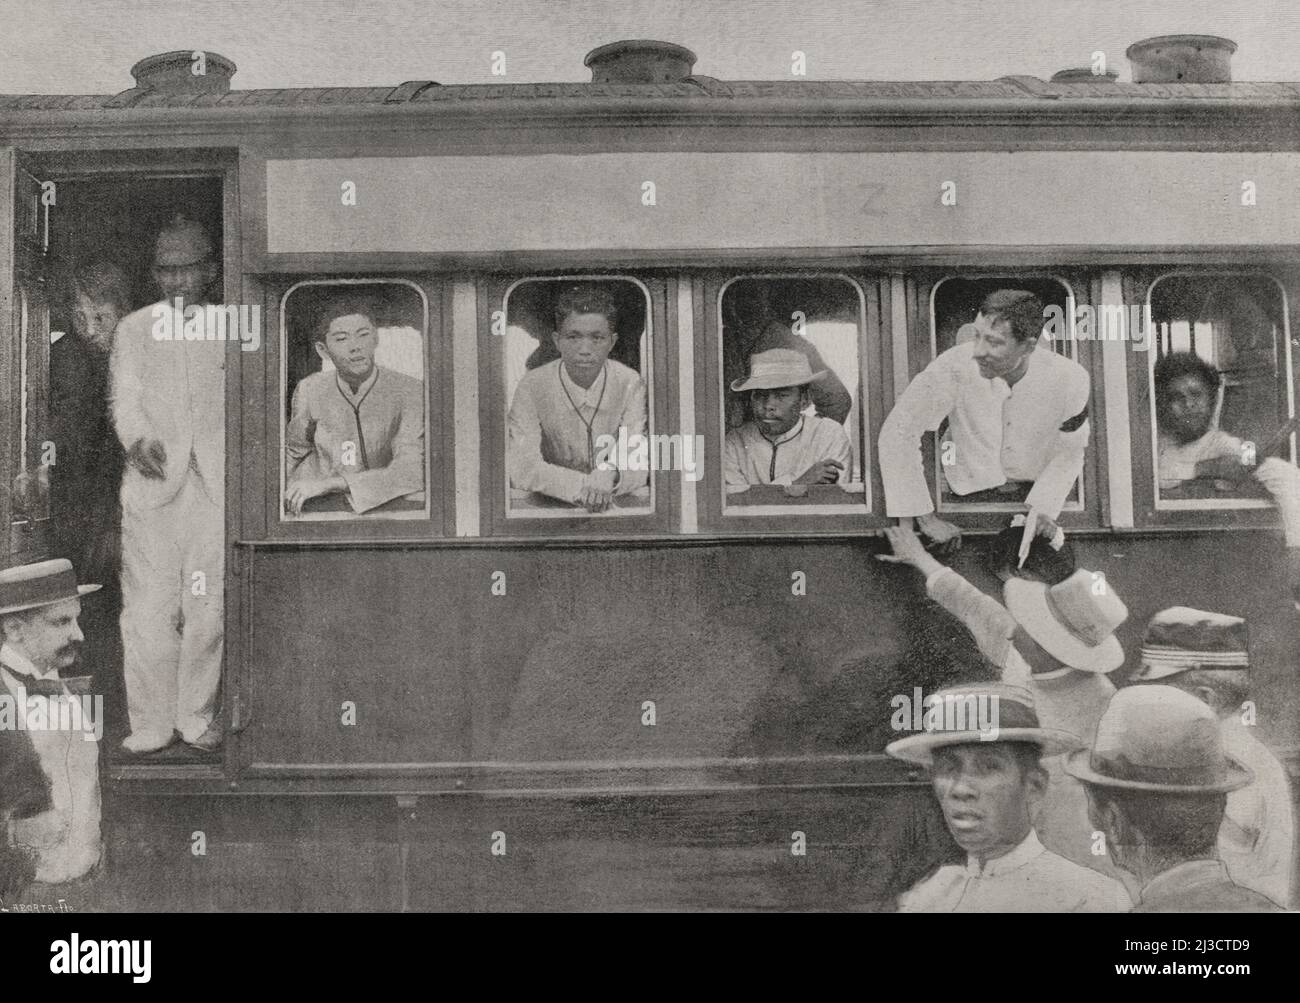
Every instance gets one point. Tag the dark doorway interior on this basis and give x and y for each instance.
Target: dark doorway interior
(101, 220)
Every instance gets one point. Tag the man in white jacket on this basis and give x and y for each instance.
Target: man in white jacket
(168, 396)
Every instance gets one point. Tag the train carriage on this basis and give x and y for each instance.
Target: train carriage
(653, 706)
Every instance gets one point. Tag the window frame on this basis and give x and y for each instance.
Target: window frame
(659, 354)
(1200, 513)
(862, 516)
(1082, 289)
(265, 409)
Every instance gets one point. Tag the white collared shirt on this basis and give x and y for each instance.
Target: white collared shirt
(1030, 878)
(999, 432)
(65, 839)
(750, 457)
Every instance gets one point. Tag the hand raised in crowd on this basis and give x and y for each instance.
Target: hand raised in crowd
(944, 534)
(821, 472)
(908, 549)
(148, 456)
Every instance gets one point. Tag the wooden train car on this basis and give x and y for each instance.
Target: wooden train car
(644, 708)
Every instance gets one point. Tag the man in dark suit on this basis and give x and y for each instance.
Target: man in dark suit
(1158, 780)
(87, 472)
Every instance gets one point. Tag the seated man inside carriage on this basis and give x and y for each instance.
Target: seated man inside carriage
(780, 444)
(563, 410)
(1193, 449)
(356, 431)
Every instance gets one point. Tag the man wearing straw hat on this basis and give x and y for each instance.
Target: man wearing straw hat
(987, 775)
(780, 444)
(1055, 639)
(39, 606)
(1208, 656)
(1158, 781)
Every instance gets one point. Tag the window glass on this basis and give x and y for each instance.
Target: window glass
(355, 431)
(955, 304)
(578, 391)
(792, 408)
(1220, 387)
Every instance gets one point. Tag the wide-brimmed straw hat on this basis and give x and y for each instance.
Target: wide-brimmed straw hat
(1074, 621)
(44, 583)
(777, 367)
(1158, 738)
(952, 718)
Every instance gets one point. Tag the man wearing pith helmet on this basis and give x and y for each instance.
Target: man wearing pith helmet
(169, 412)
(49, 760)
(1208, 656)
(983, 746)
(1158, 780)
(779, 444)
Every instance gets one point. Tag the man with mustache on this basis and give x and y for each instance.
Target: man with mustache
(58, 824)
(989, 782)
(356, 430)
(1017, 412)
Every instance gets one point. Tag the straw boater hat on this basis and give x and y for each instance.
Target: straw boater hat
(1180, 639)
(1071, 620)
(1014, 716)
(775, 368)
(1159, 739)
(42, 584)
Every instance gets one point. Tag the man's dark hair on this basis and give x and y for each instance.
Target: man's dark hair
(1184, 826)
(1020, 308)
(344, 306)
(1043, 562)
(103, 282)
(587, 298)
(1178, 364)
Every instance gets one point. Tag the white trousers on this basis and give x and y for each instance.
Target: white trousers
(172, 618)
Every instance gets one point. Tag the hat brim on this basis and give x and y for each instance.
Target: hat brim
(23, 607)
(1079, 766)
(1027, 602)
(920, 748)
(774, 382)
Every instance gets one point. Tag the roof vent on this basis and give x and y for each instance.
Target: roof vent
(640, 61)
(184, 71)
(1083, 75)
(1186, 59)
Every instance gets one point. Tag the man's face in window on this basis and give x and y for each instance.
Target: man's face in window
(94, 322)
(584, 341)
(985, 796)
(997, 351)
(1186, 408)
(776, 411)
(350, 344)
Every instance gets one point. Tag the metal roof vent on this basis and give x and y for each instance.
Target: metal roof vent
(640, 61)
(1185, 59)
(184, 71)
(1083, 75)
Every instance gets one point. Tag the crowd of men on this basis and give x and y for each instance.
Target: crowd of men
(1166, 800)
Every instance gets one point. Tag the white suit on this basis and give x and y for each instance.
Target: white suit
(173, 528)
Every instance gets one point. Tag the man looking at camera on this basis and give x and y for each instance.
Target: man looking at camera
(169, 412)
(779, 444)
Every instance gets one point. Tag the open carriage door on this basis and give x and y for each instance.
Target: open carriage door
(27, 452)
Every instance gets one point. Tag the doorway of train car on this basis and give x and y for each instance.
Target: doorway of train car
(83, 259)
